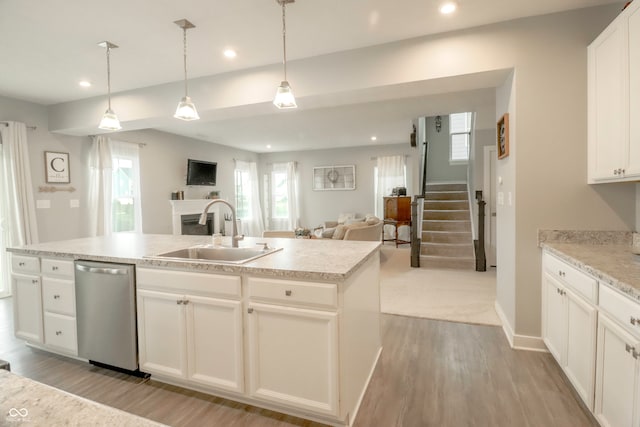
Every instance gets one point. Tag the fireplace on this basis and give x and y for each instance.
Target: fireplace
(189, 224)
(193, 208)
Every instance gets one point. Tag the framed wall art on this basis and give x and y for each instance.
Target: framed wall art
(334, 178)
(56, 167)
(502, 129)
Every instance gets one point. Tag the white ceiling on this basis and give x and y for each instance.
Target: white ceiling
(49, 46)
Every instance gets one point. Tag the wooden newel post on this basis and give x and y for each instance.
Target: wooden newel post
(415, 241)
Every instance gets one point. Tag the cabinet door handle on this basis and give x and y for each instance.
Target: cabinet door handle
(58, 332)
(56, 297)
(34, 281)
(185, 302)
(21, 264)
(179, 302)
(287, 293)
(634, 321)
(249, 310)
(54, 268)
(628, 348)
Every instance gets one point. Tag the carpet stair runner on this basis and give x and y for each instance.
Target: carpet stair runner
(446, 228)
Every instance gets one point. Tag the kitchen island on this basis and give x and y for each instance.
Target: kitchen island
(296, 331)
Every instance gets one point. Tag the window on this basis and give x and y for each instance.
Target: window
(125, 188)
(247, 198)
(459, 134)
(390, 172)
(279, 197)
(243, 194)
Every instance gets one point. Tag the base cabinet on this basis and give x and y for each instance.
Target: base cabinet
(293, 357)
(569, 331)
(27, 300)
(191, 337)
(617, 401)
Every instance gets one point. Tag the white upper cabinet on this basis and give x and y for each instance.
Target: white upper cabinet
(614, 100)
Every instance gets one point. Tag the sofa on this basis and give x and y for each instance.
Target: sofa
(368, 228)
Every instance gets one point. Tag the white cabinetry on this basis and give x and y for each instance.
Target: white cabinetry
(291, 346)
(617, 401)
(59, 305)
(569, 323)
(27, 298)
(614, 100)
(190, 327)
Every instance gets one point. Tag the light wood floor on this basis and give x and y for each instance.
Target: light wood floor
(431, 373)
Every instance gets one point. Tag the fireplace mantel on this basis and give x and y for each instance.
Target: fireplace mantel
(190, 207)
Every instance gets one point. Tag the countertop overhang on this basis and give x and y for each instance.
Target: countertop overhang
(307, 259)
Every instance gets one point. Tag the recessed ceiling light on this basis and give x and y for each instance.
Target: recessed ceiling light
(84, 83)
(448, 7)
(229, 53)
(373, 138)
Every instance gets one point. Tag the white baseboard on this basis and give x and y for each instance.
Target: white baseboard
(519, 342)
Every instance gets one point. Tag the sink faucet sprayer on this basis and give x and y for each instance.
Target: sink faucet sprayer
(235, 238)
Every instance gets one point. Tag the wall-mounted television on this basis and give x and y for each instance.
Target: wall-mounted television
(200, 172)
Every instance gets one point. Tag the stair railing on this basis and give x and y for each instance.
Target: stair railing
(417, 207)
(481, 259)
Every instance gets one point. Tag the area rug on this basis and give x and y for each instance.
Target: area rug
(453, 295)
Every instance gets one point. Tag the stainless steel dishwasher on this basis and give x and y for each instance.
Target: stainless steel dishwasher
(106, 314)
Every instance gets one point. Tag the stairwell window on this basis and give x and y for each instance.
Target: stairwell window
(459, 135)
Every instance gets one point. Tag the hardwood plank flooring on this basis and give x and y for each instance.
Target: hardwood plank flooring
(431, 373)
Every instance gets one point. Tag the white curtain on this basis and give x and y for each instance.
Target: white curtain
(247, 189)
(126, 185)
(99, 200)
(292, 195)
(18, 225)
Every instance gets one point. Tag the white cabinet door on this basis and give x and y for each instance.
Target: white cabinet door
(581, 346)
(607, 109)
(293, 357)
(162, 333)
(27, 295)
(633, 168)
(617, 376)
(555, 318)
(214, 342)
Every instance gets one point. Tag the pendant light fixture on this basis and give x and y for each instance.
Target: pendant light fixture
(109, 119)
(284, 96)
(186, 109)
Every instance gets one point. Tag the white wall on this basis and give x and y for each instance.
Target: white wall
(60, 221)
(319, 206)
(480, 139)
(163, 165)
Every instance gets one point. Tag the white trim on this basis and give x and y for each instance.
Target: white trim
(519, 342)
(352, 416)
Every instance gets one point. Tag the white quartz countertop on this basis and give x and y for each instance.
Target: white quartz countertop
(307, 259)
(613, 264)
(27, 402)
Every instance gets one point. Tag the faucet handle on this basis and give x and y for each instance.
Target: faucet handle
(265, 246)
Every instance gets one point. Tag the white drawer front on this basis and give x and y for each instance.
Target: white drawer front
(25, 264)
(578, 281)
(60, 332)
(622, 308)
(188, 282)
(58, 296)
(57, 267)
(293, 292)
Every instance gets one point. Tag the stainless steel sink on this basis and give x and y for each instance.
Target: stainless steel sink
(222, 254)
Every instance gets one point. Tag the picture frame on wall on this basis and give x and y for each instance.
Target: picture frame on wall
(57, 167)
(502, 129)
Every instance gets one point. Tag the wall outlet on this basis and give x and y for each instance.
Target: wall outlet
(74, 203)
(43, 204)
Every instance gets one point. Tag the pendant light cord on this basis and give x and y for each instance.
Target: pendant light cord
(108, 76)
(284, 40)
(186, 93)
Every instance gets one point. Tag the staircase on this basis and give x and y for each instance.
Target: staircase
(446, 228)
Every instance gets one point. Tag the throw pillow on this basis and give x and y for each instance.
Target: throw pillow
(372, 220)
(354, 221)
(327, 233)
(345, 216)
(340, 232)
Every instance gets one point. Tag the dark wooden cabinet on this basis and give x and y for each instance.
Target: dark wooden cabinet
(397, 208)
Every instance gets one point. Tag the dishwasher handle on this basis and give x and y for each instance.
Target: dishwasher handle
(102, 270)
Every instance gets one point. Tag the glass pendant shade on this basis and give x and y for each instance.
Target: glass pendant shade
(186, 110)
(284, 97)
(110, 121)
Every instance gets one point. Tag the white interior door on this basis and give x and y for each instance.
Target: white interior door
(490, 157)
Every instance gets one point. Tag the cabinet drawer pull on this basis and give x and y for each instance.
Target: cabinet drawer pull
(56, 297)
(185, 302)
(179, 302)
(58, 332)
(34, 281)
(21, 264)
(54, 268)
(249, 310)
(629, 349)
(287, 293)
(634, 321)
